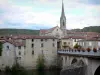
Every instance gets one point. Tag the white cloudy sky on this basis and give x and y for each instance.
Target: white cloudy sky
(40, 14)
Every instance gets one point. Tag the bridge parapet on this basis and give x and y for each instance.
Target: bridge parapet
(91, 53)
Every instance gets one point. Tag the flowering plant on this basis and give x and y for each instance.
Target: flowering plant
(88, 49)
(94, 49)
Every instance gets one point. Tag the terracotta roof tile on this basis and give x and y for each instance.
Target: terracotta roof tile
(32, 37)
(43, 31)
(13, 42)
(74, 37)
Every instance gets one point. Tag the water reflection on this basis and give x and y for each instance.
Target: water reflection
(31, 72)
(56, 72)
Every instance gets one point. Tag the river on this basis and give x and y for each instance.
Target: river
(31, 72)
(52, 72)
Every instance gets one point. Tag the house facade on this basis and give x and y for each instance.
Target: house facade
(26, 50)
(70, 41)
(90, 43)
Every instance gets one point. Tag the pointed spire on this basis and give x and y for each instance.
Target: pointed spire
(62, 14)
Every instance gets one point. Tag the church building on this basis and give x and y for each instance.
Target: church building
(58, 32)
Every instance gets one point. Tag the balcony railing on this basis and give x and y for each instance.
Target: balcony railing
(80, 52)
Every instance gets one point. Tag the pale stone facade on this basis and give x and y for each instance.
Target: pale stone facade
(89, 44)
(27, 54)
(8, 55)
(55, 31)
(46, 46)
(69, 42)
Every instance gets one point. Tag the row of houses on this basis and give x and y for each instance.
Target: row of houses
(25, 49)
(84, 42)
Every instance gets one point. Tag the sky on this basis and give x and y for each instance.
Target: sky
(44, 14)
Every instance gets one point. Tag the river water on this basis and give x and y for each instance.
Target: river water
(47, 72)
(77, 68)
(31, 72)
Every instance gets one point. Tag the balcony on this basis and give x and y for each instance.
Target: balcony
(91, 53)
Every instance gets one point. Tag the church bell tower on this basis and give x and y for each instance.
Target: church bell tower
(63, 20)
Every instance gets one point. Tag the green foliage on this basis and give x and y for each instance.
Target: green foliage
(40, 63)
(0, 48)
(7, 70)
(18, 32)
(55, 64)
(88, 29)
(16, 69)
(76, 46)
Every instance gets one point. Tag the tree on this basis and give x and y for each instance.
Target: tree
(40, 62)
(0, 48)
(76, 46)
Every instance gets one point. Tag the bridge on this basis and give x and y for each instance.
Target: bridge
(91, 59)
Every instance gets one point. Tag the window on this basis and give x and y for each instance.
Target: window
(32, 52)
(41, 39)
(7, 47)
(57, 29)
(19, 58)
(53, 39)
(19, 53)
(64, 43)
(24, 46)
(32, 45)
(63, 23)
(42, 45)
(19, 47)
(75, 40)
(53, 45)
(32, 40)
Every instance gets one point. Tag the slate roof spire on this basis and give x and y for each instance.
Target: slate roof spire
(62, 13)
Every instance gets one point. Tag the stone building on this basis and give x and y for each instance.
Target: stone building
(26, 49)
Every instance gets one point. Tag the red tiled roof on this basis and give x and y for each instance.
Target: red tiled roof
(74, 37)
(32, 37)
(85, 33)
(43, 31)
(12, 42)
